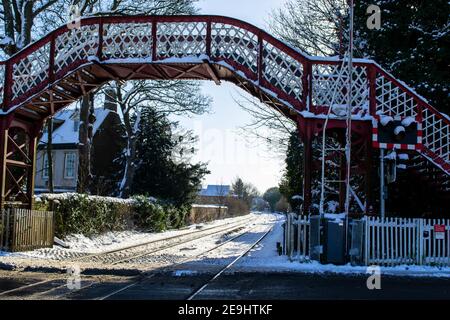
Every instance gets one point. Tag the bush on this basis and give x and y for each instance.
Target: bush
(88, 215)
(149, 214)
(80, 213)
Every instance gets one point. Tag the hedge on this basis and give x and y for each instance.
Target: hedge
(88, 215)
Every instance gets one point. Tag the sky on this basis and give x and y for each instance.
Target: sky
(221, 141)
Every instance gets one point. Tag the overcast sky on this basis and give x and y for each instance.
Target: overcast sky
(221, 142)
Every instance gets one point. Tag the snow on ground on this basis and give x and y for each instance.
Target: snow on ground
(265, 258)
(80, 245)
(194, 256)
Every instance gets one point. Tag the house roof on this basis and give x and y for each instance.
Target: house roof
(65, 133)
(213, 190)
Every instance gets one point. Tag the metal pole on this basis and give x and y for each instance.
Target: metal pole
(348, 146)
(382, 197)
(349, 112)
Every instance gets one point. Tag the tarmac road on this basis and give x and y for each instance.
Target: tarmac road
(230, 286)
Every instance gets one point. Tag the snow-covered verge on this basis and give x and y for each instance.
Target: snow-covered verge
(265, 258)
(81, 245)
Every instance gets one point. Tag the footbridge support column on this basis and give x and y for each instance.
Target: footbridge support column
(307, 137)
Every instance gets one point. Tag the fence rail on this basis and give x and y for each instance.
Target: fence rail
(396, 241)
(23, 229)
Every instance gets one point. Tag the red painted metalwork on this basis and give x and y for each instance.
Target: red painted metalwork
(59, 68)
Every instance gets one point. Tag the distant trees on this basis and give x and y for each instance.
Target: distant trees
(272, 196)
(244, 191)
(282, 205)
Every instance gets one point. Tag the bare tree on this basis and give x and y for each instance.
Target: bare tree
(17, 18)
(49, 150)
(268, 125)
(316, 27)
(85, 136)
(166, 97)
(57, 14)
(24, 20)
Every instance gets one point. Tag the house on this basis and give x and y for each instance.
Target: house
(222, 195)
(107, 144)
(213, 190)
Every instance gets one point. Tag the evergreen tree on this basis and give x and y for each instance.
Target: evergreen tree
(238, 188)
(157, 174)
(413, 43)
(291, 185)
(244, 191)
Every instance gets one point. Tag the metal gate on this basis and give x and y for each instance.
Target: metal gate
(297, 237)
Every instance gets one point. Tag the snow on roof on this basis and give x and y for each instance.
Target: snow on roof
(65, 133)
(215, 191)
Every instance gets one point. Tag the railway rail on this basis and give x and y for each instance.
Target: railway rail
(228, 266)
(130, 253)
(216, 275)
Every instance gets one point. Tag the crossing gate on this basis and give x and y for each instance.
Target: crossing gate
(378, 241)
(296, 237)
(397, 241)
(23, 229)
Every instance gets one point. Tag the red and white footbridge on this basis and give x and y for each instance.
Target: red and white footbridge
(60, 68)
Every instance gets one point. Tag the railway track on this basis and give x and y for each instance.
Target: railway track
(131, 253)
(228, 266)
(196, 292)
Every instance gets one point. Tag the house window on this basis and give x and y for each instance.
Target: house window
(69, 165)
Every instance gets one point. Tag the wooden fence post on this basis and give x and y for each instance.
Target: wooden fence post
(8, 226)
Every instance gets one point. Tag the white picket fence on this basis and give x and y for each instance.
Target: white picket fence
(296, 240)
(396, 241)
(387, 242)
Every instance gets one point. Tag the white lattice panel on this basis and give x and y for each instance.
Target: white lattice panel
(2, 81)
(282, 71)
(436, 135)
(325, 81)
(392, 100)
(127, 40)
(30, 71)
(76, 44)
(236, 44)
(181, 39)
